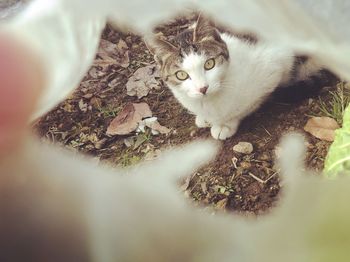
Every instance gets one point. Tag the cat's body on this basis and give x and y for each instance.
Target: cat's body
(238, 82)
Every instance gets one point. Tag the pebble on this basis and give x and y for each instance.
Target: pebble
(243, 147)
(193, 133)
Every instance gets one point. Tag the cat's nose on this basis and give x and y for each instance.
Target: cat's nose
(204, 89)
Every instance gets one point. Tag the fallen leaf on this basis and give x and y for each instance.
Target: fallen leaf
(186, 183)
(142, 109)
(88, 96)
(139, 141)
(114, 83)
(152, 155)
(221, 205)
(122, 45)
(95, 73)
(128, 119)
(82, 106)
(204, 187)
(142, 81)
(129, 142)
(99, 144)
(110, 54)
(96, 102)
(155, 126)
(68, 107)
(149, 147)
(322, 127)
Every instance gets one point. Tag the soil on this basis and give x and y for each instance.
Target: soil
(236, 182)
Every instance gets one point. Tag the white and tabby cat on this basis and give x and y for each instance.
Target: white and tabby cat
(222, 78)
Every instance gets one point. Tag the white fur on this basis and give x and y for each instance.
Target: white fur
(141, 217)
(236, 88)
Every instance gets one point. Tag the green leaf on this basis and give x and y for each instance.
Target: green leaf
(338, 157)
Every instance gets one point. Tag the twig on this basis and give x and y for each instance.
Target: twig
(260, 180)
(267, 131)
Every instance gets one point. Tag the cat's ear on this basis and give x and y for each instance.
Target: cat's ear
(203, 28)
(160, 47)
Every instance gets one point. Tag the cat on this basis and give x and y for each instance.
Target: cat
(222, 78)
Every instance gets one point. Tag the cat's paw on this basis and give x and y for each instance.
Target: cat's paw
(223, 132)
(201, 123)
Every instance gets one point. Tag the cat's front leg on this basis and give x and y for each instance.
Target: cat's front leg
(201, 123)
(224, 131)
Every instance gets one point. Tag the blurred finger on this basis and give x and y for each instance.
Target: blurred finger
(20, 82)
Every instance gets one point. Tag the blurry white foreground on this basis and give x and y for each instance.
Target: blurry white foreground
(58, 207)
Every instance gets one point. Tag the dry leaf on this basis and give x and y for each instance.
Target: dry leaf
(95, 73)
(142, 81)
(128, 119)
(110, 54)
(139, 141)
(204, 187)
(96, 102)
(322, 128)
(68, 107)
(82, 106)
(88, 96)
(221, 205)
(129, 142)
(152, 155)
(122, 45)
(142, 109)
(186, 184)
(155, 126)
(99, 144)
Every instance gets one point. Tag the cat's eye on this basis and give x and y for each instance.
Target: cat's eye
(209, 64)
(181, 75)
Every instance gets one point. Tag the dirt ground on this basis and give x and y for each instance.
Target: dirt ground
(237, 182)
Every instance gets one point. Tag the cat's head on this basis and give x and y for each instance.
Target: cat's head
(195, 62)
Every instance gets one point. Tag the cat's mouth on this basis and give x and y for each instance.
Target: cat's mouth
(197, 95)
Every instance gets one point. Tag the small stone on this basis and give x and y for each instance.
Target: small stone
(243, 147)
(193, 133)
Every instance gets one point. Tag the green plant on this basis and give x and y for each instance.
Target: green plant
(108, 111)
(335, 107)
(128, 159)
(338, 157)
